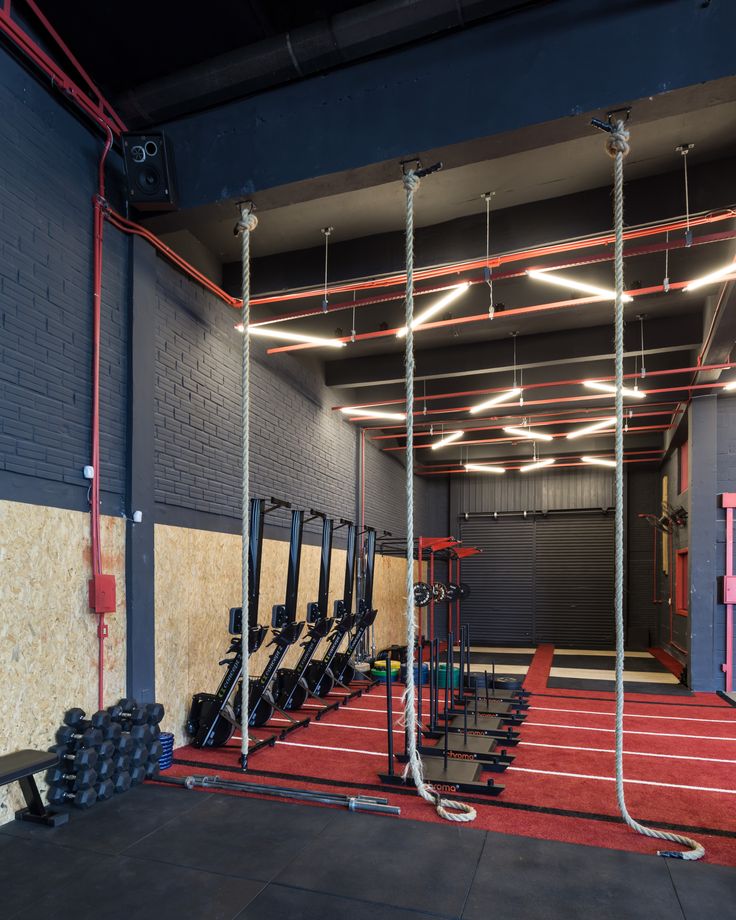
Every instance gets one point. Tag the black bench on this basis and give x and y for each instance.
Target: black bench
(20, 767)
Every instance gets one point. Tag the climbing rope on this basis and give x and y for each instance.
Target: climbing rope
(246, 225)
(617, 146)
(446, 808)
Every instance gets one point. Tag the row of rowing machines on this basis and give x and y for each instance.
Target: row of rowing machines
(214, 717)
(470, 734)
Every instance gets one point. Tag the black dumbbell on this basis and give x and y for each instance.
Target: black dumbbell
(105, 768)
(145, 733)
(120, 762)
(152, 769)
(137, 774)
(83, 738)
(84, 798)
(124, 743)
(75, 717)
(138, 755)
(155, 750)
(84, 757)
(121, 781)
(82, 779)
(105, 790)
(128, 711)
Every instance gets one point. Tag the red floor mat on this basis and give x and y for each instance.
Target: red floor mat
(680, 766)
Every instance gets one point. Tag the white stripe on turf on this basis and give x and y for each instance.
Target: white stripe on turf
(612, 779)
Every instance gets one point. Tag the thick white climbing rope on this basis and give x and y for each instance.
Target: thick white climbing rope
(617, 146)
(446, 808)
(246, 225)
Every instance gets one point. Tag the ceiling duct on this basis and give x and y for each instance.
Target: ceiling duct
(346, 37)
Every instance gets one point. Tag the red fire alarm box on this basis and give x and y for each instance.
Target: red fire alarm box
(102, 597)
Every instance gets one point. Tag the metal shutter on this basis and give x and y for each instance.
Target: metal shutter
(574, 581)
(500, 609)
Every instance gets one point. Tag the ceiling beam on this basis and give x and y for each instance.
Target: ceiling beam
(288, 135)
(574, 346)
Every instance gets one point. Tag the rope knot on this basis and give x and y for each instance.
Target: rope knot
(411, 181)
(248, 221)
(618, 140)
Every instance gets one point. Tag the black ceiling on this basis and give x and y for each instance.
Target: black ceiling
(125, 44)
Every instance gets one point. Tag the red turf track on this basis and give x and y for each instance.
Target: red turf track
(701, 727)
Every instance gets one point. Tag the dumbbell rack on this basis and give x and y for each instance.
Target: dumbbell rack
(105, 754)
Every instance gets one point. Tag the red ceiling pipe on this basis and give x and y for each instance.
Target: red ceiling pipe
(502, 424)
(557, 466)
(564, 399)
(501, 259)
(537, 386)
(633, 252)
(402, 448)
(484, 317)
(94, 106)
(499, 418)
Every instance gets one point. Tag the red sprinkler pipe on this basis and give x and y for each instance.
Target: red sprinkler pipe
(98, 224)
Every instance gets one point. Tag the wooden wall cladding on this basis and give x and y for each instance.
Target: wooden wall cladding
(48, 637)
(198, 580)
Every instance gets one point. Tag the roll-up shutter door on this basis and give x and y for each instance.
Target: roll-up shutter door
(543, 579)
(574, 581)
(500, 608)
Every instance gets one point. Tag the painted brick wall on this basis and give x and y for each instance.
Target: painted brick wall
(301, 450)
(726, 479)
(47, 178)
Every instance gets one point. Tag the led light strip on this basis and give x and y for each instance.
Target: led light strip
(435, 308)
(508, 396)
(546, 275)
(267, 332)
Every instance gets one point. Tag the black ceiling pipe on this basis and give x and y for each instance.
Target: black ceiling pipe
(349, 36)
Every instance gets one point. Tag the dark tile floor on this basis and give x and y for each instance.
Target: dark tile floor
(168, 853)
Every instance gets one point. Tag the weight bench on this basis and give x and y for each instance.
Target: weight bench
(20, 767)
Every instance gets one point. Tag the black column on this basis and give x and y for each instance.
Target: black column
(702, 542)
(139, 561)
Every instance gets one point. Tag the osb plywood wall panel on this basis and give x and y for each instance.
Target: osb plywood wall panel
(197, 581)
(389, 593)
(48, 637)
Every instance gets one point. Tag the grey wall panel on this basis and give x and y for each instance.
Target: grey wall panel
(574, 581)
(555, 490)
(500, 609)
(642, 578)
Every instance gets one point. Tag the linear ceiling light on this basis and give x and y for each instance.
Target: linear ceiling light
(730, 386)
(717, 275)
(611, 388)
(589, 429)
(529, 433)
(372, 413)
(537, 465)
(447, 439)
(436, 307)
(495, 400)
(570, 283)
(598, 461)
(483, 468)
(268, 333)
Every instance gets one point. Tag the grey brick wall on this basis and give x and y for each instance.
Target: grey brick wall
(300, 449)
(47, 178)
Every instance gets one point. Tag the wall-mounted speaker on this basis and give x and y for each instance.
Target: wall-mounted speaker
(148, 168)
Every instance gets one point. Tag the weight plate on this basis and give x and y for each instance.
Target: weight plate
(439, 591)
(422, 594)
(453, 591)
(464, 590)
